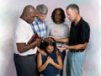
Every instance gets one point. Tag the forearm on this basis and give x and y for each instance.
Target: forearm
(63, 40)
(43, 67)
(24, 47)
(30, 46)
(78, 46)
(58, 66)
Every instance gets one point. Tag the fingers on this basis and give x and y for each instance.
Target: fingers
(61, 48)
(49, 39)
(38, 41)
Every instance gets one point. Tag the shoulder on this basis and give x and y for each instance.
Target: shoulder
(65, 26)
(35, 21)
(39, 55)
(20, 22)
(85, 24)
(51, 25)
(22, 25)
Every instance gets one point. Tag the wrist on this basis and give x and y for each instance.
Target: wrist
(53, 64)
(69, 47)
(47, 62)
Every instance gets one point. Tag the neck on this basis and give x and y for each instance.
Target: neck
(77, 19)
(23, 17)
(58, 22)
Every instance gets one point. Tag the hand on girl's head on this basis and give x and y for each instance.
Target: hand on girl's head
(50, 39)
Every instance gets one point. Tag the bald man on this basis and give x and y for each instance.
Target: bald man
(25, 53)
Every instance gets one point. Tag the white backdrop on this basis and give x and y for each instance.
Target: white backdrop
(10, 10)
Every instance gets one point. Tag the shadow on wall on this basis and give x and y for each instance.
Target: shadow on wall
(6, 61)
(7, 67)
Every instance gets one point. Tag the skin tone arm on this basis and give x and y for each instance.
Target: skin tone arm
(58, 65)
(63, 40)
(41, 51)
(49, 60)
(23, 47)
(76, 47)
(41, 66)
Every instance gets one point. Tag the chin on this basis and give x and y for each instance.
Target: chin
(49, 52)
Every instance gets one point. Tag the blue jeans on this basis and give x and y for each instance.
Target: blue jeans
(75, 63)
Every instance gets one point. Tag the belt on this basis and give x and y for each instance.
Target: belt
(77, 50)
(25, 55)
(56, 75)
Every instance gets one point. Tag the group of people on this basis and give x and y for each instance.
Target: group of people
(41, 47)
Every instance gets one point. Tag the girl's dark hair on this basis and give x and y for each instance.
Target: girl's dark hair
(62, 15)
(45, 44)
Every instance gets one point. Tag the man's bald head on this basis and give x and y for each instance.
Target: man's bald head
(28, 9)
(28, 13)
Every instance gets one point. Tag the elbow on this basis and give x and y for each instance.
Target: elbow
(21, 47)
(82, 46)
(61, 67)
(21, 50)
(39, 69)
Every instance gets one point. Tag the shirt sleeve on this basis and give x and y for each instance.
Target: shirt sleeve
(68, 31)
(85, 34)
(21, 34)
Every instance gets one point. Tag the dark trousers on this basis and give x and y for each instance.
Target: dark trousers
(63, 54)
(26, 65)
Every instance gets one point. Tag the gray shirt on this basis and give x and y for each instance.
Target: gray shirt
(58, 31)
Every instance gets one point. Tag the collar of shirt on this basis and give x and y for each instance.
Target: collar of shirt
(79, 23)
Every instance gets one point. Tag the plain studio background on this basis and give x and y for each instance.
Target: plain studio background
(10, 10)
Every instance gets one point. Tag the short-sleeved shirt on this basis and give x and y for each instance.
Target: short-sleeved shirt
(79, 33)
(23, 34)
(40, 28)
(58, 31)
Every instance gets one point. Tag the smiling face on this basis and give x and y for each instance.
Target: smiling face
(57, 16)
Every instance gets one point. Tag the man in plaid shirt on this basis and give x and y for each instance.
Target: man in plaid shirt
(39, 26)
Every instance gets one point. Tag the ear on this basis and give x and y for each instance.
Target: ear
(27, 15)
